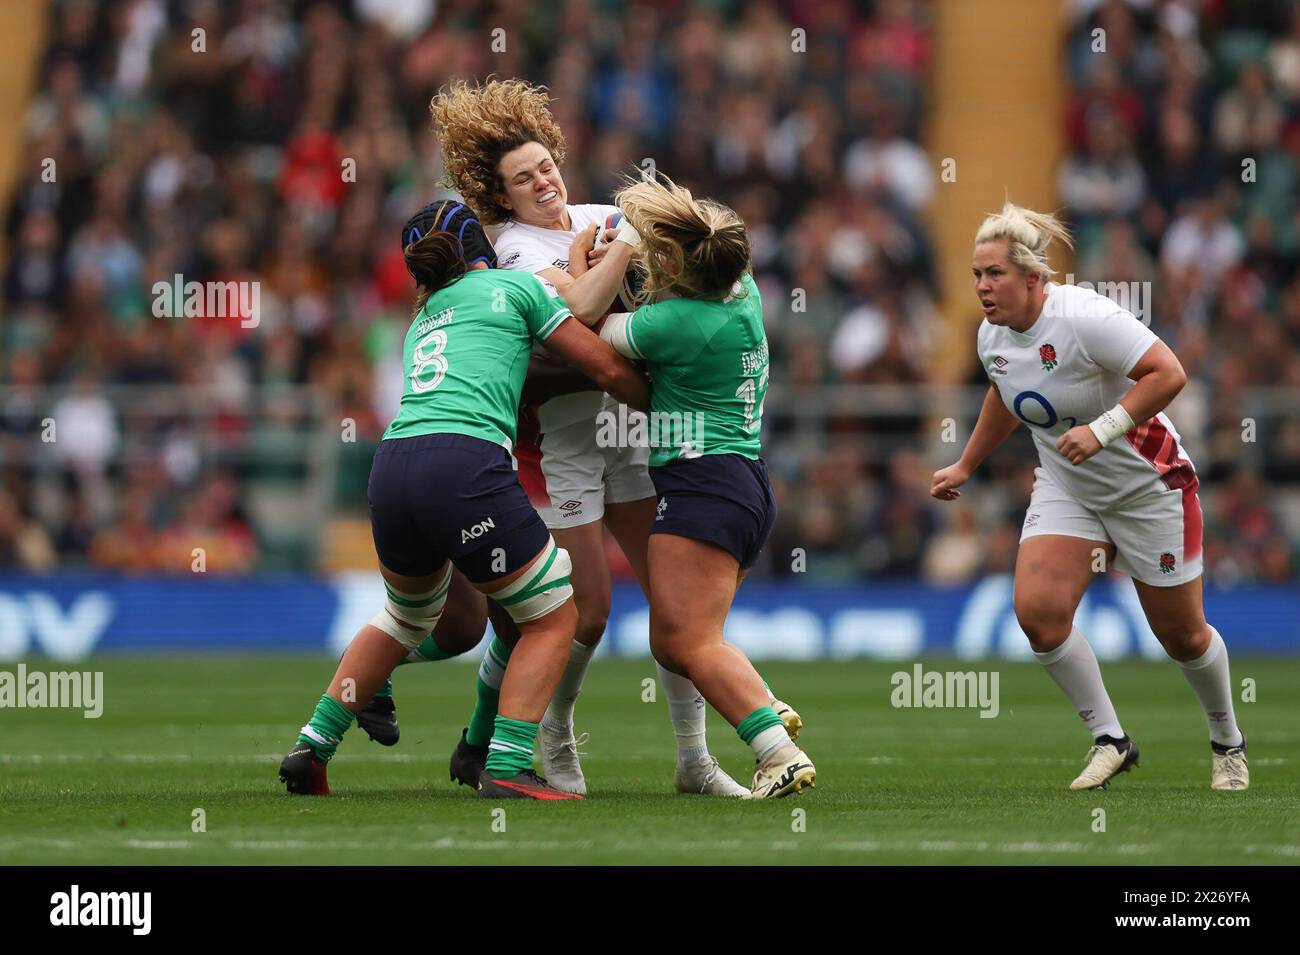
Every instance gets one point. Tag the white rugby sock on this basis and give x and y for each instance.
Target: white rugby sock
(686, 710)
(559, 715)
(1210, 680)
(1074, 668)
(770, 742)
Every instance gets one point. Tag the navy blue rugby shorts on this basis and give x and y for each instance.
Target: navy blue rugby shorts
(722, 499)
(439, 497)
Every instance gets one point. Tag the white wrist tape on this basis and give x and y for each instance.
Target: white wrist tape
(627, 233)
(1111, 424)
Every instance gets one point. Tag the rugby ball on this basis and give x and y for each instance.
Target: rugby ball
(629, 297)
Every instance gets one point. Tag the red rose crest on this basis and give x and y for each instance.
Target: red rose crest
(1047, 355)
(1166, 563)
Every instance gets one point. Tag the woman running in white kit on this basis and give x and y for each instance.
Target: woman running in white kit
(503, 150)
(1091, 382)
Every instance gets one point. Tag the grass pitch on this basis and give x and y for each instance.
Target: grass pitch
(893, 786)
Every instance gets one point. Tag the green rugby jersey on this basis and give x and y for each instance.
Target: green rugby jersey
(708, 365)
(466, 355)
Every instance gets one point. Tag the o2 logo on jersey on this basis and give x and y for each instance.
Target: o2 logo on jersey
(1044, 409)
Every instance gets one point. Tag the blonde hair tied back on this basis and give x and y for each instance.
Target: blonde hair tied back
(1028, 234)
(695, 248)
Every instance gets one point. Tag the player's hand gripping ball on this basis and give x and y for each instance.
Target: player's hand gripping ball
(629, 295)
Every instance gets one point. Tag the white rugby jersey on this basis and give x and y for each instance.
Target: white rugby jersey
(534, 249)
(1069, 367)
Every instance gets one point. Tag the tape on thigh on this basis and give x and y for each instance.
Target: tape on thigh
(541, 588)
(421, 611)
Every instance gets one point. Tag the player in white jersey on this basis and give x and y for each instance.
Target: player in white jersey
(503, 151)
(1091, 382)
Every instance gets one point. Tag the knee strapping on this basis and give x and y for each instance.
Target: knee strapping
(419, 611)
(541, 588)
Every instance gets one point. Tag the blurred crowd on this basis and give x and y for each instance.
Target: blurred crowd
(206, 139)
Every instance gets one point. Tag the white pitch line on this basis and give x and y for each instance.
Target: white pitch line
(689, 846)
(19, 842)
(157, 844)
(1281, 850)
(447, 843)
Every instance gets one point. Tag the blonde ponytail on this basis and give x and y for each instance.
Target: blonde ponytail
(695, 248)
(1028, 234)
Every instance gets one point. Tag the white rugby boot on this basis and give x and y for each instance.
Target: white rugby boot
(705, 777)
(560, 763)
(1228, 769)
(787, 772)
(1106, 759)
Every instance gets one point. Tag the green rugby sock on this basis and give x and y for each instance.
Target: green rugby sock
(511, 749)
(490, 674)
(762, 718)
(324, 731)
(427, 652)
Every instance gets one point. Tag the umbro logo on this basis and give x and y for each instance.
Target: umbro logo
(1085, 715)
(999, 365)
(570, 505)
(561, 264)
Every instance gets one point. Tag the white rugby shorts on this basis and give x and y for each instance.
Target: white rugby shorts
(1157, 535)
(582, 477)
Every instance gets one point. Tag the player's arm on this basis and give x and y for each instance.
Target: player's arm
(584, 350)
(1158, 377)
(547, 380)
(591, 291)
(994, 426)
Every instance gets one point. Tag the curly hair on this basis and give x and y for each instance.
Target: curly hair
(477, 125)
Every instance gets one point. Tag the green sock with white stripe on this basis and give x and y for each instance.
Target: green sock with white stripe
(511, 749)
(490, 674)
(324, 731)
